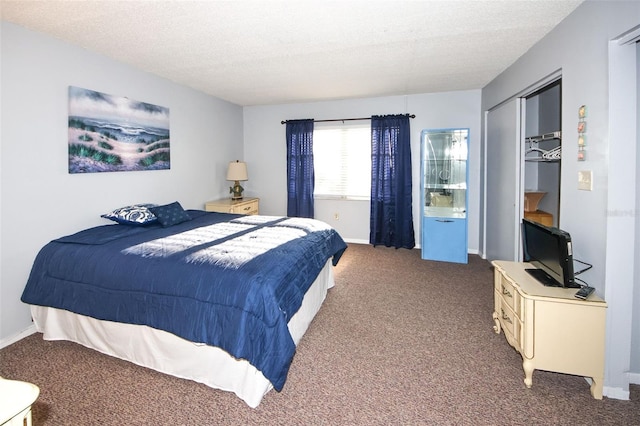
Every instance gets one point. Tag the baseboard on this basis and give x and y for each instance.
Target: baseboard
(24, 333)
(619, 393)
(634, 378)
(615, 393)
(355, 241)
(418, 247)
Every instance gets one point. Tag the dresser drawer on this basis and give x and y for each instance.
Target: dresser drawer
(245, 208)
(511, 324)
(509, 294)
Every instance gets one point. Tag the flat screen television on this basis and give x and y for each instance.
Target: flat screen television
(549, 250)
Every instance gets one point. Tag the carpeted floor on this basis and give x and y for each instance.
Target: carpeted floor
(399, 341)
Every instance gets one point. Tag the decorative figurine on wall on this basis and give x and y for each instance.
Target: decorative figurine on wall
(582, 130)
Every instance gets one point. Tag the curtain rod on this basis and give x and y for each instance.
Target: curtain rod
(341, 119)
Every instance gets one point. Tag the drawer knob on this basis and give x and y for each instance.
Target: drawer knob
(505, 317)
(506, 292)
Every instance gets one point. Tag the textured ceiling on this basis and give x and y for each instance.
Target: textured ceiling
(253, 52)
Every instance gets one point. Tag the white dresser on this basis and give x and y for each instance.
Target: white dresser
(548, 326)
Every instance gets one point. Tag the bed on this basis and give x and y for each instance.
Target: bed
(217, 298)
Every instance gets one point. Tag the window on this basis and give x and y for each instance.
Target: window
(342, 161)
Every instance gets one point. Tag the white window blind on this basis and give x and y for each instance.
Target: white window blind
(342, 161)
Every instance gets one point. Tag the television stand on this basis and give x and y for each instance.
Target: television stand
(546, 325)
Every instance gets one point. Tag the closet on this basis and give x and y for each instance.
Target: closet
(543, 155)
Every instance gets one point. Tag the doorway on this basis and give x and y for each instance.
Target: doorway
(522, 155)
(543, 155)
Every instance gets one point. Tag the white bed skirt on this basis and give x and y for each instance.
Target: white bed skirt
(170, 354)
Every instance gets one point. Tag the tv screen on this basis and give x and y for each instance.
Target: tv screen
(549, 250)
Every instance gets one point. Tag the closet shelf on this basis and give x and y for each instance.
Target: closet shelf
(544, 137)
(543, 155)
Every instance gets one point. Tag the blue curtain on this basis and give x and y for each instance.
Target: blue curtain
(300, 177)
(391, 220)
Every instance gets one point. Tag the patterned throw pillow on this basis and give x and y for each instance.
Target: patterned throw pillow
(170, 214)
(137, 215)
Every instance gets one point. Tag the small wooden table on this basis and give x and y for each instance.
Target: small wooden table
(16, 398)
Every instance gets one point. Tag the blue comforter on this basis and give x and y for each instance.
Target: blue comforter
(225, 280)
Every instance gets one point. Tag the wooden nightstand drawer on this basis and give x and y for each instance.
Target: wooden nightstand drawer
(250, 207)
(227, 205)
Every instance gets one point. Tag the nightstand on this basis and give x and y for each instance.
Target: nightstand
(16, 398)
(227, 205)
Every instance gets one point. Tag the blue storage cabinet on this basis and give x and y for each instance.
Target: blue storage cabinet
(444, 198)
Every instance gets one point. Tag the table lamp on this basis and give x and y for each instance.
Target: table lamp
(237, 171)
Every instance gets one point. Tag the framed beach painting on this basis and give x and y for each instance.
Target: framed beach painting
(111, 134)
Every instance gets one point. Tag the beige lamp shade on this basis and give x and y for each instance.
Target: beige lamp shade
(237, 171)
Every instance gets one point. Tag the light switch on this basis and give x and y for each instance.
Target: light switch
(585, 180)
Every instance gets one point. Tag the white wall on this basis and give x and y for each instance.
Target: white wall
(579, 46)
(41, 201)
(265, 152)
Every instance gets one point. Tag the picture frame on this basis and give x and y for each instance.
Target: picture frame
(108, 133)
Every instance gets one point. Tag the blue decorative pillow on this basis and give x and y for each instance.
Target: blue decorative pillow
(170, 214)
(137, 215)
